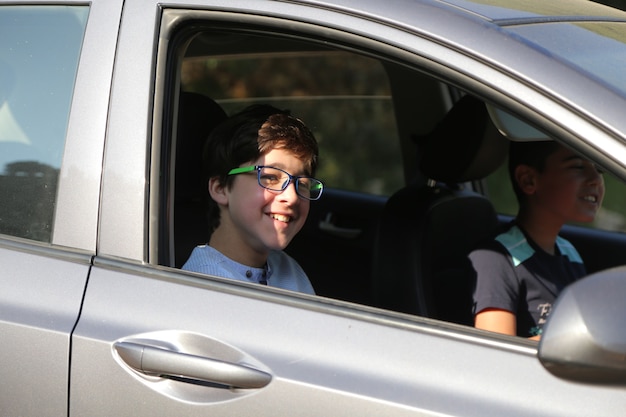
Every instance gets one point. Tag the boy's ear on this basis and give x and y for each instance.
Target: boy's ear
(218, 191)
(526, 178)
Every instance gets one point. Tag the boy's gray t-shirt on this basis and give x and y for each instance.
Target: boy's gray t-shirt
(282, 270)
(514, 274)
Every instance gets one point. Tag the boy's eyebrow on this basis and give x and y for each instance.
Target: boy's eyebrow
(573, 157)
(282, 166)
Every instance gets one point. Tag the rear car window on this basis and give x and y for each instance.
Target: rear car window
(39, 50)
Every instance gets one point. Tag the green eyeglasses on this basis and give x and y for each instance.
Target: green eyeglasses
(275, 179)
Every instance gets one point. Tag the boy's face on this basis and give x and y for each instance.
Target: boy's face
(570, 188)
(262, 219)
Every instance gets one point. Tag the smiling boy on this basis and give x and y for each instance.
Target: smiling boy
(522, 271)
(259, 165)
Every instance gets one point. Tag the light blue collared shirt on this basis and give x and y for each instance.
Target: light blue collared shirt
(282, 270)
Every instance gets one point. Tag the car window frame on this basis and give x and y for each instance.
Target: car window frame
(455, 75)
(492, 85)
(79, 194)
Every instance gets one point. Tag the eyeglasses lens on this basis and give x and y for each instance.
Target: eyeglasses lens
(277, 180)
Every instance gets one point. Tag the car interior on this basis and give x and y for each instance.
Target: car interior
(407, 159)
(427, 230)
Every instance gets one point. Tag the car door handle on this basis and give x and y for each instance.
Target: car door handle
(329, 227)
(156, 361)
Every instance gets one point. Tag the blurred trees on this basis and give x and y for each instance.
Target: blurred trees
(344, 98)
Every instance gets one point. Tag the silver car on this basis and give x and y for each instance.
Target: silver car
(103, 105)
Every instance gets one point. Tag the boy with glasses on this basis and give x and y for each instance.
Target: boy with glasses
(259, 166)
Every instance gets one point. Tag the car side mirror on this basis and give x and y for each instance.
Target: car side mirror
(584, 338)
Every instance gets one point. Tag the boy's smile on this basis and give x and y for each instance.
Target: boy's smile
(281, 218)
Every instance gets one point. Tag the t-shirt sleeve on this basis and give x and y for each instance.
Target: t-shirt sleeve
(496, 283)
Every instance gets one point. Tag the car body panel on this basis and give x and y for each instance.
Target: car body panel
(68, 309)
(36, 326)
(368, 363)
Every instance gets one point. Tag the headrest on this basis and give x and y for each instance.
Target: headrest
(464, 146)
(198, 115)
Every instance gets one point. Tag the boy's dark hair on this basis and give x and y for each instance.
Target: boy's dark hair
(533, 154)
(247, 135)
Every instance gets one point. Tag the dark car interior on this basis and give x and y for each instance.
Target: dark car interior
(402, 249)
(427, 230)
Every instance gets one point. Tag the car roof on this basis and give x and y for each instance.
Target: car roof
(573, 50)
(495, 11)
(505, 12)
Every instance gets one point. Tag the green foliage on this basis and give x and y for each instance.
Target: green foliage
(344, 98)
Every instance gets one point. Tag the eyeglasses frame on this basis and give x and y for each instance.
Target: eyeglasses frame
(292, 179)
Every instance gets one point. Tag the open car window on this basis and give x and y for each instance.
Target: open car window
(373, 116)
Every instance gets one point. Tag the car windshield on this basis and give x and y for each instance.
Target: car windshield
(598, 48)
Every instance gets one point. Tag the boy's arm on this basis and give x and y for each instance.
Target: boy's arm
(499, 321)
(496, 320)
(496, 290)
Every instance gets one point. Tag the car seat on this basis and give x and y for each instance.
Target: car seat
(427, 231)
(198, 115)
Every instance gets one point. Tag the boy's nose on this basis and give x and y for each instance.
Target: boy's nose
(595, 176)
(289, 193)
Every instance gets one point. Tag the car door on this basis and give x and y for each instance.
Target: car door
(154, 340)
(47, 232)
(153, 343)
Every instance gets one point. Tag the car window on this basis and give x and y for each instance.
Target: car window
(39, 49)
(345, 98)
(361, 108)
